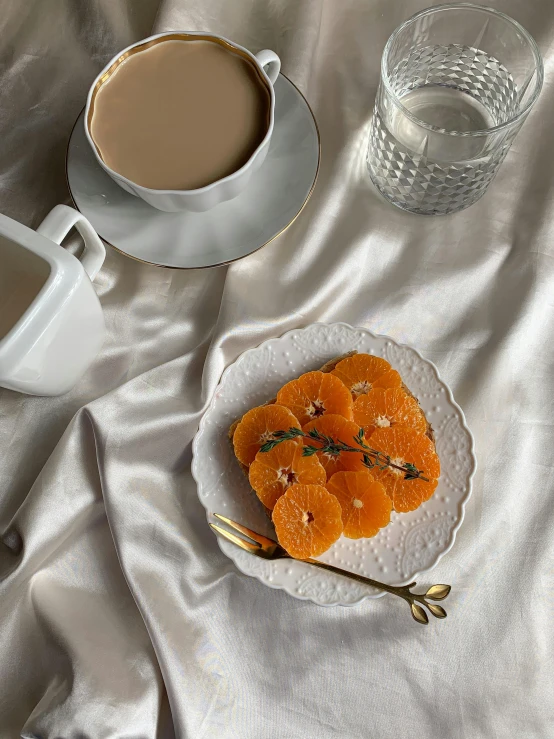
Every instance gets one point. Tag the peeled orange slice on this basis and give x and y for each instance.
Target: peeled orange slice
(338, 428)
(365, 505)
(403, 445)
(314, 395)
(308, 520)
(257, 426)
(362, 372)
(273, 472)
(382, 408)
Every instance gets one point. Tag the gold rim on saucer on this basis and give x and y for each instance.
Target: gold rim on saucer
(230, 261)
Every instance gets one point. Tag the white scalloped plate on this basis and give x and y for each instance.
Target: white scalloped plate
(411, 544)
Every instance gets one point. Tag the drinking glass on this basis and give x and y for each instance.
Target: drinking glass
(457, 83)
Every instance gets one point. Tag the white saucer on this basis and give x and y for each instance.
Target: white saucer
(230, 231)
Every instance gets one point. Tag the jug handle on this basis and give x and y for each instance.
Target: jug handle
(58, 224)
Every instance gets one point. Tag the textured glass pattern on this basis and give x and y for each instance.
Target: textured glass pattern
(435, 171)
(462, 67)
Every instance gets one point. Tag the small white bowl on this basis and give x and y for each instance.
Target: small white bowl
(207, 197)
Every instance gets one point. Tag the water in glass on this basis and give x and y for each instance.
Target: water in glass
(457, 91)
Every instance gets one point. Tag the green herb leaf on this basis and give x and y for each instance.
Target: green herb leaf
(335, 447)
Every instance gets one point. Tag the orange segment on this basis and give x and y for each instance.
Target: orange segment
(315, 394)
(365, 505)
(382, 408)
(339, 429)
(403, 445)
(257, 426)
(363, 371)
(271, 473)
(391, 378)
(307, 519)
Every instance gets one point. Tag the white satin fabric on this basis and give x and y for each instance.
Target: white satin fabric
(119, 616)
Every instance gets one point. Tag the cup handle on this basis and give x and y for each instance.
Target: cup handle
(58, 224)
(269, 59)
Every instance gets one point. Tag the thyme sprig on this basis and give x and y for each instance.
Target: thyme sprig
(335, 447)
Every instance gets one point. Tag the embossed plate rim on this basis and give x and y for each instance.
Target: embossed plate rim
(227, 548)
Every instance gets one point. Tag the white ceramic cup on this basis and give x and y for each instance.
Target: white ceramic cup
(203, 198)
(48, 341)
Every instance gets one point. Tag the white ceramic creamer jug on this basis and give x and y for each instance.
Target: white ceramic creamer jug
(51, 321)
